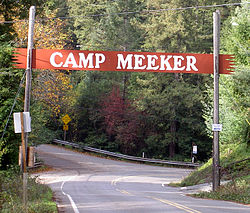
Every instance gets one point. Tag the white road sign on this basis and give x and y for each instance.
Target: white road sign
(26, 122)
(216, 127)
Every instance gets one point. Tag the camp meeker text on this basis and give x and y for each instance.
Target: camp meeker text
(123, 61)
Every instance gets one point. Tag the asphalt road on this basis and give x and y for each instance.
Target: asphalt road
(87, 184)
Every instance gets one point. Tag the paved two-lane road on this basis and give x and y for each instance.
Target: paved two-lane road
(88, 184)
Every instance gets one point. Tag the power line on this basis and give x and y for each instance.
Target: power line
(132, 12)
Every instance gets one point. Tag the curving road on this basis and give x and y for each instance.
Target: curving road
(87, 184)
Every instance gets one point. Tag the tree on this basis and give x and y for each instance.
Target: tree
(174, 110)
(187, 30)
(49, 33)
(51, 89)
(12, 10)
(102, 32)
(9, 84)
(235, 114)
(171, 104)
(121, 122)
(177, 98)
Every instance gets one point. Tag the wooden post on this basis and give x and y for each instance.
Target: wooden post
(29, 59)
(27, 102)
(64, 137)
(29, 67)
(24, 164)
(216, 151)
(31, 153)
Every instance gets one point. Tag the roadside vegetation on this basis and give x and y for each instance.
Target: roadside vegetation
(237, 191)
(235, 167)
(40, 196)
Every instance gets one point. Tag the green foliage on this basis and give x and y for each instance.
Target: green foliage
(112, 31)
(181, 30)
(90, 88)
(43, 127)
(235, 103)
(86, 29)
(100, 141)
(39, 196)
(235, 107)
(237, 191)
(173, 106)
(231, 166)
(9, 83)
(236, 38)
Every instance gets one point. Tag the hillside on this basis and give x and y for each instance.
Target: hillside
(235, 167)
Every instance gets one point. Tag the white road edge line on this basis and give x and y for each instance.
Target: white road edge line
(70, 198)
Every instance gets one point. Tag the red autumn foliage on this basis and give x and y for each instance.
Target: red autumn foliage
(121, 121)
(113, 111)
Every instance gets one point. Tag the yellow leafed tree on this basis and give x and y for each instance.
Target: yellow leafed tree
(51, 87)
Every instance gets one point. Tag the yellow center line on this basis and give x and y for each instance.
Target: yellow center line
(123, 192)
(179, 206)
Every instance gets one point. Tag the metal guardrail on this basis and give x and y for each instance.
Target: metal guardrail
(36, 165)
(127, 157)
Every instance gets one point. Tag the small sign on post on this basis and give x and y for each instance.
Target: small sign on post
(66, 119)
(26, 122)
(195, 150)
(65, 127)
(216, 127)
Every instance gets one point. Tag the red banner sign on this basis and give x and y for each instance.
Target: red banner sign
(123, 61)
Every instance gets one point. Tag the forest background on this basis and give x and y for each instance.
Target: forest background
(160, 114)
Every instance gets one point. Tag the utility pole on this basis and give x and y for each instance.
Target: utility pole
(28, 72)
(216, 151)
(29, 59)
(27, 101)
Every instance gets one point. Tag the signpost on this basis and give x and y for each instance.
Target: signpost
(22, 124)
(216, 127)
(66, 119)
(216, 150)
(18, 116)
(195, 151)
(22, 120)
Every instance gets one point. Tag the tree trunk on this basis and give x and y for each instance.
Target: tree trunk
(172, 144)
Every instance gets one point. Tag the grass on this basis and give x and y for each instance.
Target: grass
(237, 190)
(234, 167)
(40, 197)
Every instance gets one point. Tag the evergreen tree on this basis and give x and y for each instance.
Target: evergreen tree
(235, 102)
(9, 85)
(102, 28)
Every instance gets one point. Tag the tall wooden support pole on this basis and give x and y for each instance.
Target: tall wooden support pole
(29, 59)
(28, 72)
(216, 153)
(27, 102)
